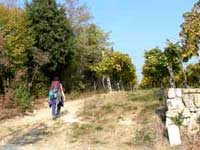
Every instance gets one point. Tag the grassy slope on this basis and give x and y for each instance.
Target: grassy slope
(114, 121)
(122, 121)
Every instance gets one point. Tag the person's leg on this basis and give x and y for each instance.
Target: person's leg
(53, 107)
(58, 110)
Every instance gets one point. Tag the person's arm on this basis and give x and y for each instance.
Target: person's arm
(62, 92)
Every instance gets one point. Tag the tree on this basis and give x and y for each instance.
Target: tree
(118, 68)
(190, 33)
(52, 31)
(17, 40)
(161, 65)
(154, 71)
(193, 74)
(172, 60)
(79, 15)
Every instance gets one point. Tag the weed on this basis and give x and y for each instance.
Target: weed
(178, 119)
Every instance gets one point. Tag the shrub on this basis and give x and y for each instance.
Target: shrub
(22, 97)
(178, 119)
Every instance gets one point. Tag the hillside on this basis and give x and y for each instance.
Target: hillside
(118, 121)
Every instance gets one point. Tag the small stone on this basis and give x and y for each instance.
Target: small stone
(174, 135)
(171, 93)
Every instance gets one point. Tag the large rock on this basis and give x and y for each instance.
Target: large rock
(178, 93)
(175, 103)
(186, 115)
(193, 126)
(169, 122)
(188, 100)
(171, 93)
(197, 100)
(186, 91)
(171, 113)
(174, 135)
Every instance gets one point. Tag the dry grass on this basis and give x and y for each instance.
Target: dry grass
(114, 121)
(120, 118)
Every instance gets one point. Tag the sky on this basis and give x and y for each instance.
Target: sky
(139, 25)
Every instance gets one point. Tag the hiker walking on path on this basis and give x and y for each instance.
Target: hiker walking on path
(56, 97)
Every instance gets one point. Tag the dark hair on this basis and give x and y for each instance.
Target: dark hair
(56, 78)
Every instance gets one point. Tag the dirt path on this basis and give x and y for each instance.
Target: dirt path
(39, 131)
(109, 122)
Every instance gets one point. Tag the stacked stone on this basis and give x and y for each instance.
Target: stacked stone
(187, 103)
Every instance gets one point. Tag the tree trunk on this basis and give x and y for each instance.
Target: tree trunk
(171, 76)
(184, 75)
(103, 83)
(33, 77)
(118, 87)
(109, 83)
(95, 86)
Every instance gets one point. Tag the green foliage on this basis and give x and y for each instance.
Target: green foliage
(17, 37)
(89, 44)
(154, 70)
(23, 98)
(190, 33)
(193, 74)
(118, 66)
(178, 120)
(52, 30)
(161, 65)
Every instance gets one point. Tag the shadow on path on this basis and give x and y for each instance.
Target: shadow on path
(32, 136)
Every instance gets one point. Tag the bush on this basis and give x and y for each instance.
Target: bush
(40, 90)
(178, 120)
(22, 97)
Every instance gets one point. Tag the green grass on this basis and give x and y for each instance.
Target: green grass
(146, 95)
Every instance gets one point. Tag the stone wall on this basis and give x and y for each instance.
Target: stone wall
(184, 103)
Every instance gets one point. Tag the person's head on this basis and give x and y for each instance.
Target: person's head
(56, 78)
